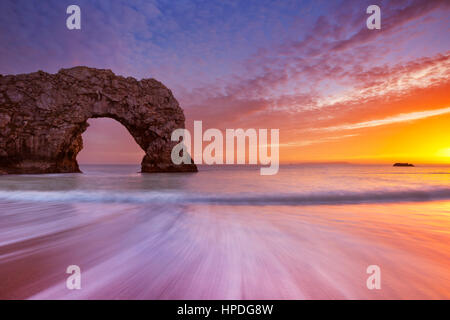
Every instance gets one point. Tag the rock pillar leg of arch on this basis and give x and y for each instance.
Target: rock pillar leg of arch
(158, 159)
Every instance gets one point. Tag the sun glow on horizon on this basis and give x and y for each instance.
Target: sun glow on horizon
(444, 153)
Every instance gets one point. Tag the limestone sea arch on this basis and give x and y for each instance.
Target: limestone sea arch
(42, 118)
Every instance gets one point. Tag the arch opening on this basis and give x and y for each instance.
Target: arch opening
(108, 142)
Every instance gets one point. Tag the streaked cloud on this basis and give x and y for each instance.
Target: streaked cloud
(316, 141)
(404, 117)
(400, 80)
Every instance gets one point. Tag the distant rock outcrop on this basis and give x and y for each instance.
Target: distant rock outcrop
(400, 164)
(42, 117)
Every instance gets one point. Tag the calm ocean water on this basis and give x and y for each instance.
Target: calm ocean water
(308, 232)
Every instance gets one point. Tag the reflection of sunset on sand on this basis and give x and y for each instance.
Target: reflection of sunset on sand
(223, 253)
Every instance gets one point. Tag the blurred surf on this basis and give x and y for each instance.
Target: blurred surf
(317, 198)
(309, 232)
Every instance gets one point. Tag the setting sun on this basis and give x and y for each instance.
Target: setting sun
(444, 153)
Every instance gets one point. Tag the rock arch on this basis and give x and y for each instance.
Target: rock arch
(42, 117)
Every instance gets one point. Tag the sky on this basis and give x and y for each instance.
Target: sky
(336, 90)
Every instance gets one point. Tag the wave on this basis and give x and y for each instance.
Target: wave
(177, 197)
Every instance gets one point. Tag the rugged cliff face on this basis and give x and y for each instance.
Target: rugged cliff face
(42, 117)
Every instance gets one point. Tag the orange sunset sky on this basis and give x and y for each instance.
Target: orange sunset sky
(335, 90)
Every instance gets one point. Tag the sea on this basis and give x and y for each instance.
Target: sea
(312, 231)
